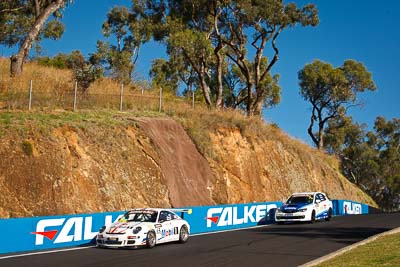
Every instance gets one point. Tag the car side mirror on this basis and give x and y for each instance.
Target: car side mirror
(317, 201)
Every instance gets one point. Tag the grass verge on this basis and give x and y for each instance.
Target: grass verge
(384, 251)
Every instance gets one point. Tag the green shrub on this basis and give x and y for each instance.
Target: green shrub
(27, 147)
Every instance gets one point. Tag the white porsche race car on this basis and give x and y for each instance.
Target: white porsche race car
(300, 207)
(144, 227)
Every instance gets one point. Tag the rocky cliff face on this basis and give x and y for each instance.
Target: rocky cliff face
(152, 162)
(258, 169)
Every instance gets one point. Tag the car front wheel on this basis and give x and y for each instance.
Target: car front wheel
(329, 215)
(151, 239)
(312, 217)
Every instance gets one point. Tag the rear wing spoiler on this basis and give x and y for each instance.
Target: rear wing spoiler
(182, 211)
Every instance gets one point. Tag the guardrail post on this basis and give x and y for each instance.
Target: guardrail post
(75, 93)
(30, 96)
(160, 105)
(192, 99)
(120, 100)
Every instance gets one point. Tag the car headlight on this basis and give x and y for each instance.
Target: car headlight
(101, 230)
(137, 230)
(302, 210)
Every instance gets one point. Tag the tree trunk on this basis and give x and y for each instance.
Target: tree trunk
(249, 101)
(257, 107)
(310, 127)
(320, 136)
(204, 86)
(219, 102)
(18, 59)
(16, 65)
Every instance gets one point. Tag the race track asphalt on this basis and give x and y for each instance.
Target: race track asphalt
(272, 245)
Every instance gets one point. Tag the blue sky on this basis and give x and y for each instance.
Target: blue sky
(367, 31)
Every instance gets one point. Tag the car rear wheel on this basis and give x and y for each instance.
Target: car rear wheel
(329, 215)
(183, 234)
(312, 217)
(151, 239)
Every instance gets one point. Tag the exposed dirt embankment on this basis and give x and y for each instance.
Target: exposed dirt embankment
(258, 169)
(185, 172)
(150, 162)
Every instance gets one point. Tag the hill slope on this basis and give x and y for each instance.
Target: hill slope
(66, 162)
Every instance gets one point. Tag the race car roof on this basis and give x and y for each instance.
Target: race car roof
(306, 193)
(159, 209)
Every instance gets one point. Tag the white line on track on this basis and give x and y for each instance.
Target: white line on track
(79, 248)
(43, 252)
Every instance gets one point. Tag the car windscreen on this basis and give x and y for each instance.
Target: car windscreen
(140, 216)
(300, 199)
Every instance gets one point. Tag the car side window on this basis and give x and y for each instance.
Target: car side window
(166, 216)
(321, 197)
(170, 216)
(163, 216)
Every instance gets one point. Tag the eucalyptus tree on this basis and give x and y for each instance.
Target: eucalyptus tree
(331, 91)
(24, 22)
(237, 83)
(252, 25)
(370, 159)
(130, 31)
(163, 75)
(193, 35)
(385, 139)
(213, 35)
(197, 52)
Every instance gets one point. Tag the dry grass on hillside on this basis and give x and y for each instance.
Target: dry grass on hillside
(54, 89)
(45, 79)
(105, 93)
(51, 80)
(200, 121)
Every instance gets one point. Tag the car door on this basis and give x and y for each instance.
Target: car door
(321, 203)
(168, 231)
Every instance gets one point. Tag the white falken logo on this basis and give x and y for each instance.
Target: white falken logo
(72, 229)
(230, 215)
(351, 208)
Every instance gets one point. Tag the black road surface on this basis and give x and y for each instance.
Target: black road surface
(273, 245)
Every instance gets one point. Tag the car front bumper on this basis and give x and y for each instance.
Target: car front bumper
(105, 240)
(291, 217)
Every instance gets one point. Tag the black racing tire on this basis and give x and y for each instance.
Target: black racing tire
(183, 234)
(312, 217)
(151, 239)
(329, 215)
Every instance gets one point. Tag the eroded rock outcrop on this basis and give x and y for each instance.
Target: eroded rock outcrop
(152, 162)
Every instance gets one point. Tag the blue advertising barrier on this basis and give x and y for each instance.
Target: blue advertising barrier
(226, 217)
(27, 234)
(347, 207)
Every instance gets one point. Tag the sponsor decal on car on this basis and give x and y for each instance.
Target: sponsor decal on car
(169, 232)
(225, 216)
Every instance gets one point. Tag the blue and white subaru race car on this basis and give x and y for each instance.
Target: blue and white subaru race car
(305, 207)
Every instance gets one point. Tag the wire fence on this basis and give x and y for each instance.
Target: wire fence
(27, 97)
